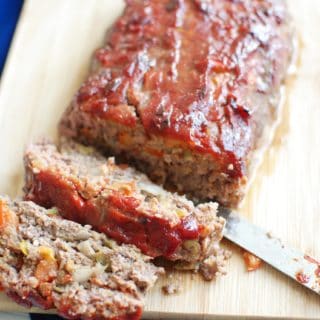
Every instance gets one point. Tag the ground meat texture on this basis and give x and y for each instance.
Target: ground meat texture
(185, 89)
(123, 203)
(49, 262)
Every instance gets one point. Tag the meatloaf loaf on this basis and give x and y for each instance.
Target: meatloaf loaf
(124, 204)
(185, 90)
(49, 262)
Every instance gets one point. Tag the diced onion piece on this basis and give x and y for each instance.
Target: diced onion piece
(151, 188)
(98, 269)
(82, 273)
(86, 248)
(23, 245)
(70, 266)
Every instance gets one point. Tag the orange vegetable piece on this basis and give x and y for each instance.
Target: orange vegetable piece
(7, 217)
(154, 152)
(46, 270)
(124, 138)
(127, 188)
(252, 262)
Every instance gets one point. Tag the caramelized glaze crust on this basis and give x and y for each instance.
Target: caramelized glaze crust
(206, 74)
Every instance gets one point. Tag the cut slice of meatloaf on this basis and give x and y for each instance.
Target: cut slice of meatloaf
(49, 262)
(126, 205)
(185, 90)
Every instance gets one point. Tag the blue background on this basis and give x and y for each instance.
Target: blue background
(9, 13)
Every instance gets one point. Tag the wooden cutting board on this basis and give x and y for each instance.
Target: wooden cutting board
(49, 59)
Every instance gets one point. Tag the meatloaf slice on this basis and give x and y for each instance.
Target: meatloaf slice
(49, 262)
(185, 90)
(124, 204)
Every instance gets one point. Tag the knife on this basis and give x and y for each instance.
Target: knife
(298, 266)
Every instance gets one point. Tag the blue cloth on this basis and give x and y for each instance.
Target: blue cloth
(44, 317)
(9, 14)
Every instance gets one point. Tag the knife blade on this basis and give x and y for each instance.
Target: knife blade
(295, 264)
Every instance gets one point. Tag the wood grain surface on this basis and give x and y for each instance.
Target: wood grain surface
(49, 59)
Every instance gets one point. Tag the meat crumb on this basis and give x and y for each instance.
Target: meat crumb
(173, 287)
(170, 289)
(269, 235)
(302, 278)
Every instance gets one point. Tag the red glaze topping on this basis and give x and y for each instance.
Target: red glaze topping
(316, 262)
(19, 300)
(302, 278)
(118, 217)
(31, 298)
(312, 260)
(193, 70)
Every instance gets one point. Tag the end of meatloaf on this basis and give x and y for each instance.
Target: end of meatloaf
(49, 262)
(126, 205)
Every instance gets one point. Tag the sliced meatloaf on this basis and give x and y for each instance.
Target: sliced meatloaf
(49, 262)
(126, 205)
(185, 90)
